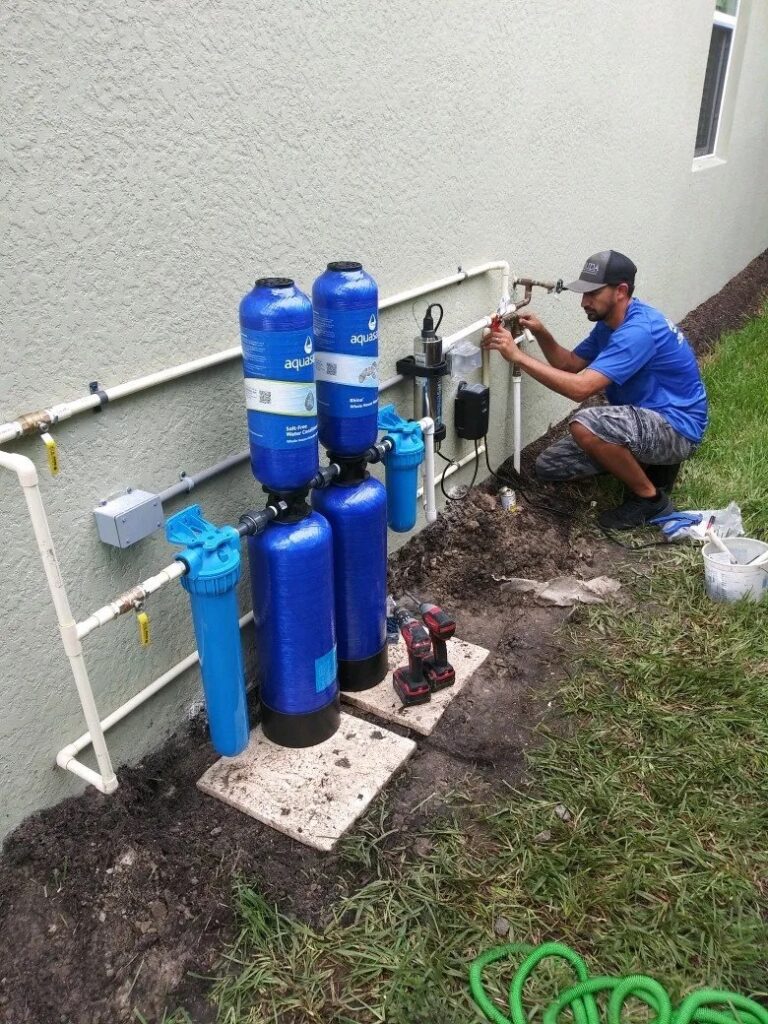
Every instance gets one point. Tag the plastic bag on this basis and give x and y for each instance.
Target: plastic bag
(693, 525)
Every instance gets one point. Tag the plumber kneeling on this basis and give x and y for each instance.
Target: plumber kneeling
(657, 406)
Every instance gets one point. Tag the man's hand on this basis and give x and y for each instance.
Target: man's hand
(532, 322)
(499, 339)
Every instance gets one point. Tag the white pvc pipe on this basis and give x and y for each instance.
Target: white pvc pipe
(517, 432)
(448, 343)
(27, 476)
(66, 410)
(457, 278)
(457, 465)
(428, 475)
(67, 756)
(128, 601)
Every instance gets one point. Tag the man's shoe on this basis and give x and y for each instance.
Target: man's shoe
(635, 511)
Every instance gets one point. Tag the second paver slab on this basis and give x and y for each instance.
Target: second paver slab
(382, 701)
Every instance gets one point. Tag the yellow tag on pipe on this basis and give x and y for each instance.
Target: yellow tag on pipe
(143, 620)
(53, 458)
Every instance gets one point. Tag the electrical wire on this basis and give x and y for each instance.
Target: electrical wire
(609, 535)
(518, 482)
(452, 462)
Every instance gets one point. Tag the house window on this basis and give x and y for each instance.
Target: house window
(720, 47)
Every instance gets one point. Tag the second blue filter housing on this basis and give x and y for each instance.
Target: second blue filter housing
(292, 586)
(279, 368)
(345, 302)
(355, 505)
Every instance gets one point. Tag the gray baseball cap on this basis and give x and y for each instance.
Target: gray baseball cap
(608, 267)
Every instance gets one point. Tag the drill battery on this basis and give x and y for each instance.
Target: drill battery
(410, 691)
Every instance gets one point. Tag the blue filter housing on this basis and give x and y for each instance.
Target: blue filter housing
(402, 468)
(292, 586)
(279, 368)
(355, 505)
(345, 302)
(212, 557)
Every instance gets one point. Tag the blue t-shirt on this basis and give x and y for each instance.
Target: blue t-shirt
(651, 366)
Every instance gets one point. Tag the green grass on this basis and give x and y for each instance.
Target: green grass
(733, 461)
(663, 864)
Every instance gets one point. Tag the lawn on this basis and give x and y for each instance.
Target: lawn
(641, 838)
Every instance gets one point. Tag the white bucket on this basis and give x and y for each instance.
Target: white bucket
(728, 582)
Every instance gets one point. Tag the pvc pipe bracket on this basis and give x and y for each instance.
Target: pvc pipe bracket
(96, 389)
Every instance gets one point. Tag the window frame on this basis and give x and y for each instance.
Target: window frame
(729, 22)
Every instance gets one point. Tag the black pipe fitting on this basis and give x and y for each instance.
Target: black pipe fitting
(377, 452)
(351, 468)
(254, 521)
(325, 475)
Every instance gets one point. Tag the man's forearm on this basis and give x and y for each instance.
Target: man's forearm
(554, 353)
(564, 382)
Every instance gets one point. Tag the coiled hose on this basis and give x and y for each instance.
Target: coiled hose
(705, 1006)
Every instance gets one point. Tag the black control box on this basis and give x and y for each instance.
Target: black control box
(470, 411)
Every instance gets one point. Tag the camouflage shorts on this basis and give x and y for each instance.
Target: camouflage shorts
(646, 433)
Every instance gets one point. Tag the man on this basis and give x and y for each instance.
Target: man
(658, 407)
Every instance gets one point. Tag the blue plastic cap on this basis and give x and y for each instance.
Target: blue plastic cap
(212, 552)
(406, 438)
(389, 418)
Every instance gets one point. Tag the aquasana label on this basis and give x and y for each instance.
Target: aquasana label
(347, 362)
(279, 387)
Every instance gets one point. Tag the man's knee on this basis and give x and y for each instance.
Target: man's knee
(545, 468)
(582, 435)
(549, 467)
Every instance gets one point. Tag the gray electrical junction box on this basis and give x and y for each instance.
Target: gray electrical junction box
(128, 518)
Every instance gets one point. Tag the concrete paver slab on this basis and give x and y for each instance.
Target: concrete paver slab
(312, 794)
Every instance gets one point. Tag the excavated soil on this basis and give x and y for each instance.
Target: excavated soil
(110, 905)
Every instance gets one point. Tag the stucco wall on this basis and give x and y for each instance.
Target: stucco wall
(159, 156)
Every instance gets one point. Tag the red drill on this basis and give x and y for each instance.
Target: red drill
(408, 681)
(441, 626)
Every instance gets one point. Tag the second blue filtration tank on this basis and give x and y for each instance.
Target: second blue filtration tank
(355, 505)
(292, 586)
(345, 303)
(279, 368)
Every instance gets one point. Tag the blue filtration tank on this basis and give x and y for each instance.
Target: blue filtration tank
(279, 368)
(345, 302)
(355, 505)
(212, 557)
(292, 586)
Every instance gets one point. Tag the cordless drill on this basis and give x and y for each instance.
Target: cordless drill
(408, 681)
(441, 626)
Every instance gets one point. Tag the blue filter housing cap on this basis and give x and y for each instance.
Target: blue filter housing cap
(212, 553)
(406, 436)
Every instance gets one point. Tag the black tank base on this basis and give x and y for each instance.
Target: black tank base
(301, 730)
(355, 676)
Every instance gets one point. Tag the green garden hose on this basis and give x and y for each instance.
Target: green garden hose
(705, 1006)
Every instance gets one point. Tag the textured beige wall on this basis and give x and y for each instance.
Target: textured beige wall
(157, 156)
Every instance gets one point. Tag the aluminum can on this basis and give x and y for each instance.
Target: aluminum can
(507, 498)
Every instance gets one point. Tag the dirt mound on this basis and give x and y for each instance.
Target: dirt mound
(474, 539)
